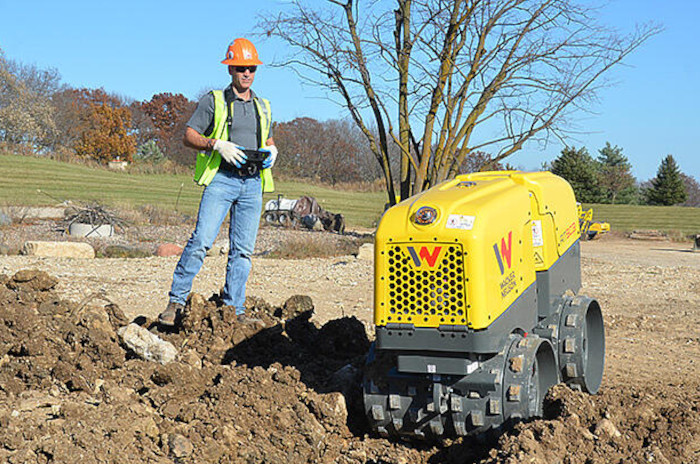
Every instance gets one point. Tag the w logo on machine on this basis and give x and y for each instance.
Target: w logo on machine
(424, 255)
(504, 252)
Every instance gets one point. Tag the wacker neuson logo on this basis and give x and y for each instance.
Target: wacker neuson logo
(504, 255)
(424, 254)
(504, 252)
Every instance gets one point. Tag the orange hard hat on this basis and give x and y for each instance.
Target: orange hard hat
(241, 52)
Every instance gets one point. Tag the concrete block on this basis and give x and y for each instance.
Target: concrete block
(35, 212)
(59, 249)
(366, 252)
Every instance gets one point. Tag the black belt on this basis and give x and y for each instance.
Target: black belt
(247, 170)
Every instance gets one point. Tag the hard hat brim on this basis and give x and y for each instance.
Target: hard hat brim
(251, 62)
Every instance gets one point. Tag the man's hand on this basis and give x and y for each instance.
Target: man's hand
(270, 160)
(230, 152)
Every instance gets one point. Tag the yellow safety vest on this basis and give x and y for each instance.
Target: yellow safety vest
(207, 164)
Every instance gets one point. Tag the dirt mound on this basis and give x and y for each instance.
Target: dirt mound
(279, 390)
(70, 391)
(615, 426)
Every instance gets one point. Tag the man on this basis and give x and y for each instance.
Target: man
(223, 124)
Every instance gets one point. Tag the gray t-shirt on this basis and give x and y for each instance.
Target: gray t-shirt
(244, 128)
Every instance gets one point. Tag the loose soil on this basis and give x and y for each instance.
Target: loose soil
(286, 389)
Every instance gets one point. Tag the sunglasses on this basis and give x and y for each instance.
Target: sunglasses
(241, 69)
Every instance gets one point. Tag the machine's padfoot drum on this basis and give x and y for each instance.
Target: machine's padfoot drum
(582, 344)
(503, 389)
(531, 369)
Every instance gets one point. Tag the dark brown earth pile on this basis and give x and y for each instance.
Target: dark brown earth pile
(286, 392)
(70, 392)
(615, 426)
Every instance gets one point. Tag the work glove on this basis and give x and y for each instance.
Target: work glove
(270, 160)
(230, 152)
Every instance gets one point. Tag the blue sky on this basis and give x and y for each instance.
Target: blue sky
(139, 48)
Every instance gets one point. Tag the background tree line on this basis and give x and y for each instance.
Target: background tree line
(608, 179)
(40, 114)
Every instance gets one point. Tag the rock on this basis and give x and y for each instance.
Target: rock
(5, 220)
(220, 247)
(32, 400)
(655, 455)
(338, 406)
(59, 249)
(297, 305)
(606, 429)
(39, 281)
(147, 345)
(168, 249)
(366, 252)
(191, 358)
(41, 212)
(180, 447)
(145, 426)
(122, 251)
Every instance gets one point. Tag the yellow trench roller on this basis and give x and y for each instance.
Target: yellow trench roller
(476, 306)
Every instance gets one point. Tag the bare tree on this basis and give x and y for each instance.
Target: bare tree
(328, 151)
(692, 188)
(482, 161)
(43, 82)
(26, 116)
(446, 78)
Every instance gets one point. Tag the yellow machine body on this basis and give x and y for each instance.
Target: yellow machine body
(462, 252)
(477, 309)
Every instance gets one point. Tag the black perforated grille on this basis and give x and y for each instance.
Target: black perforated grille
(425, 285)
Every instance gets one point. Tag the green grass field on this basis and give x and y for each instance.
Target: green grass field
(25, 175)
(625, 218)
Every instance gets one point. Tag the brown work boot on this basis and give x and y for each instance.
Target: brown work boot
(171, 313)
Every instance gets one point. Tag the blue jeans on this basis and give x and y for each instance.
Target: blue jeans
(242, 196)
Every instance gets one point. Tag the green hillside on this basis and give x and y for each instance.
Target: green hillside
(25, 175)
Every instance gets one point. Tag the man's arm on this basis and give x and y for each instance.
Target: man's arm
(194, 139)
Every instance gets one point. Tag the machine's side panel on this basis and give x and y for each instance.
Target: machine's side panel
(554, 208)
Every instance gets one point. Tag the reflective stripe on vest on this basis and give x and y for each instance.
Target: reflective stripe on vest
(207, 164)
